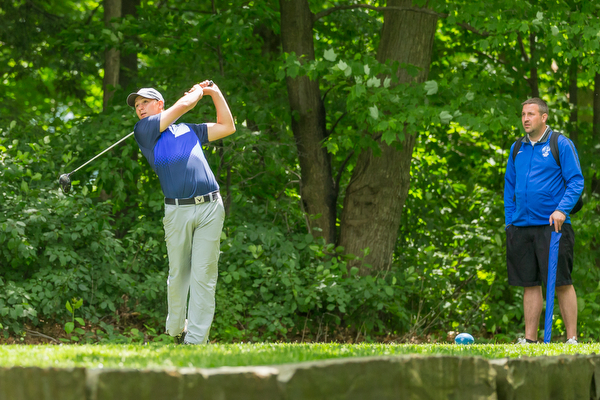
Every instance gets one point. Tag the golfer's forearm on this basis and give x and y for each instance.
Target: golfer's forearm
(187, 102)
(183, 105)
(224, 116)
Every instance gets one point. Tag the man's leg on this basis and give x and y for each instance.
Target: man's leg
(178, 236)
(567, 299)
(522, 268)
(205, 259)
(532, 307)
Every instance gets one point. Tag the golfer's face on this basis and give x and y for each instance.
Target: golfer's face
(532, 120)
(146, 107)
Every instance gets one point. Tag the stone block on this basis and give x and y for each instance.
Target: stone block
(396, 377)
(133, 384)
(33, 383)
(449, 377)
(595, 387)
(543, 378)
(231, 383)
(351, 378)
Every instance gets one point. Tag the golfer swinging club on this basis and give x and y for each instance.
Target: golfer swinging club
(194, 210)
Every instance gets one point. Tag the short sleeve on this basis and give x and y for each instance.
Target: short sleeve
(201, 131)
(147, 131)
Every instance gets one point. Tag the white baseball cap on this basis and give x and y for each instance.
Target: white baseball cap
(148, 93)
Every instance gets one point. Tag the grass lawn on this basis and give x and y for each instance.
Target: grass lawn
(219, 355)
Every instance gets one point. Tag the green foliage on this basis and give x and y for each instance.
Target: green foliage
(586, 272)
(59, 247)
(70, 326)
(274, 285)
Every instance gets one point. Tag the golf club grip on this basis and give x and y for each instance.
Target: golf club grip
(99, 154)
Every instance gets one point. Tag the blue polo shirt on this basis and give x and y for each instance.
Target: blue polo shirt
(176, 156)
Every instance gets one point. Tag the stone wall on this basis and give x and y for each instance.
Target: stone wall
(394, 377)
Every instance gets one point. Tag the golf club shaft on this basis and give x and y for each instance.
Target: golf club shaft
(98, 155)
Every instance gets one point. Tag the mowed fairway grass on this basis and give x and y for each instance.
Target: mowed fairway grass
(247, 354)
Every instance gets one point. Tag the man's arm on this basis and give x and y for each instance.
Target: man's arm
(571, 174)
(225, 125)
(183, 105)
(573, 177)
(509, 189)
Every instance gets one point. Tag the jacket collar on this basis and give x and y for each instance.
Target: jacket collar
(544, 137)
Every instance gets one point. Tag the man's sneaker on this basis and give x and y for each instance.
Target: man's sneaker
(573, 340)
(525, 341)
(180, 339)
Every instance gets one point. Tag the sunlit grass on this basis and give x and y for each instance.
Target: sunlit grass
(219, 355)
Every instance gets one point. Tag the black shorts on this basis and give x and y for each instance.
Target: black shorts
(527, 250)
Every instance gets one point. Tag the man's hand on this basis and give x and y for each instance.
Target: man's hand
(558, 218)
(210, 88)
(198, 89)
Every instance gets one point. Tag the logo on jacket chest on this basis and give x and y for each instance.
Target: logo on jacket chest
(546, 151)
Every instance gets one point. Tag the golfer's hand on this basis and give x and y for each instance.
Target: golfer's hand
(210, 89)
(197, 90)
(557, 218)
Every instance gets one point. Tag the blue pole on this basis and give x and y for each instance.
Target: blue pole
(550, 285)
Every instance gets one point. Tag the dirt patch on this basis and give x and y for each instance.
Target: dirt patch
(44, 334)
(54, 333)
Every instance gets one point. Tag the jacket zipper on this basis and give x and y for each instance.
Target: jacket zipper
(527, 185)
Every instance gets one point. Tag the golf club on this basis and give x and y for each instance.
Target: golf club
(65, 179)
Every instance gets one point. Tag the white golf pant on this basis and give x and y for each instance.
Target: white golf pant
(193, 234)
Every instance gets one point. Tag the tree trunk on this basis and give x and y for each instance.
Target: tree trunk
(379, 185)
(596, 129)
(128, 71)
(573, 118)
(595, 186)
(533, 78)
(308, 122)
(112, 9)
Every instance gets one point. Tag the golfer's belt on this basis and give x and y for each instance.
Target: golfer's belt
(212, 196)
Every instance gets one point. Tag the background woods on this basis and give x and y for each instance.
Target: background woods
(364, 184)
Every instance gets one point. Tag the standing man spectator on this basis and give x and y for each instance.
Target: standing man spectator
(194, 210)
(538, 197)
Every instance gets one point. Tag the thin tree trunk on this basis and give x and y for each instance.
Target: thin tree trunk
(596, 129)
(308, 122)
(533, 78)
(112, 9)
(379, 185)
(595, 186)
(128, 71)
(573, 118)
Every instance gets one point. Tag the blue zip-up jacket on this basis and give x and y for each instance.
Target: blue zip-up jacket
(535, 186)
